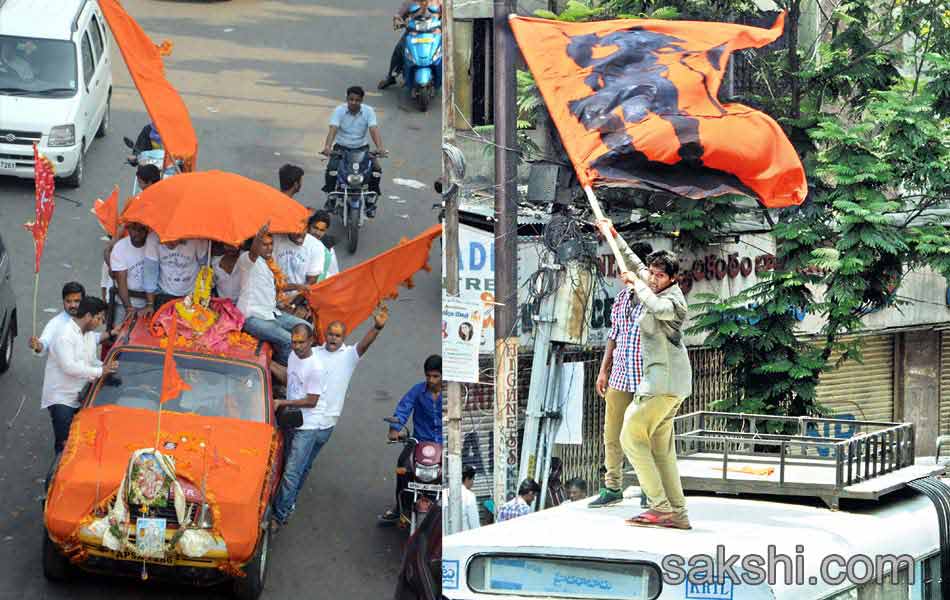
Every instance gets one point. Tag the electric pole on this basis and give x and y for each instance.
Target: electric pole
(505, 460)
(451, 233)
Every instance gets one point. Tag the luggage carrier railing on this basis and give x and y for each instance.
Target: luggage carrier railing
(873, 459)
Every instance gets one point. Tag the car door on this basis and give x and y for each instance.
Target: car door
(100, 77)
(88, 104)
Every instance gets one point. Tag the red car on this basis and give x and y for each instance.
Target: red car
(192, 507)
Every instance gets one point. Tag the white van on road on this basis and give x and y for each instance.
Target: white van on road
(55, 84)
(574, 552)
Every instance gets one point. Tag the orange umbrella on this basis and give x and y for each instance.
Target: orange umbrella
(214, 205)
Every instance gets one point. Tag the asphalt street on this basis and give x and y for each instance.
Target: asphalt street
(260, 79)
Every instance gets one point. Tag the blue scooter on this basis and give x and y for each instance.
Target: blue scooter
(422, 64)
(352, 192)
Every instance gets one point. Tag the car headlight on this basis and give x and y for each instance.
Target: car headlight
(354, 179)
(427, 474)
(62, 135)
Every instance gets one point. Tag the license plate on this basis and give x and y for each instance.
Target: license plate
(426, 39)
(7, 164)
(150, 536)
(425, 487)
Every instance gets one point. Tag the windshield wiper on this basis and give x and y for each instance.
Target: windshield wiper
(15, 91)
(58, 90)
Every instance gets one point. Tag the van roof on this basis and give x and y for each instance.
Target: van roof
(20, 18)
(743, 526)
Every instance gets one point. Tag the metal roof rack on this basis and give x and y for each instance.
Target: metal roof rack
(738, 453)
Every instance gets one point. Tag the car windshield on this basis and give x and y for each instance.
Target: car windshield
(37, 67)
(219, 388)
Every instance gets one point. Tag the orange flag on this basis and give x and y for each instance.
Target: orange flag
(352, 295)
(172, 383)
(108, 212)
(635, 102)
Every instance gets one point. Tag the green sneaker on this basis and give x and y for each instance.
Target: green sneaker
(606, 498)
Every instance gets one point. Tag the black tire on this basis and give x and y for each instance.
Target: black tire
(6, 349)
(55, 565)
(352, 229)
(423, 97)
(103, 130)
(75, 179)
(251, 585)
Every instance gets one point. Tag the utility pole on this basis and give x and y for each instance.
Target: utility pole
(451, 233)
(506, 237)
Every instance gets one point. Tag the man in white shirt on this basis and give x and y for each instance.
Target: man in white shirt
(72, 363)
(470, 518)
(134, 265)
(317, 226)
(300, 257)
(178, 266)
(73, 293)
(227, 275)
(306, 385)
(263, 318)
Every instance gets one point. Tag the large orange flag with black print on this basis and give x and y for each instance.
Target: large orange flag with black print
(635, 102)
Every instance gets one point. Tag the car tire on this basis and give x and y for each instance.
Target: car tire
(55, 566)
(75, 179)
(103, 130)
(6, 349)
(251, 585)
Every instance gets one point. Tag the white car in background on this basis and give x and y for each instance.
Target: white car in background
(55, 84)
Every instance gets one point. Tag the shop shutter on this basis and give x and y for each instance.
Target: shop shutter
(865, 390)
(944, 382)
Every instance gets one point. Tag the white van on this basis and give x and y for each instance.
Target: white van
(575, 552)
(55, 84)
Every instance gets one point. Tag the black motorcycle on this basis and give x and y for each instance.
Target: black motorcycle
(352, 193)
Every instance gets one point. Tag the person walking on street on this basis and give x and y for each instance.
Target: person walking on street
(470, 518)
(647, 433)
(621, 372)
(351, 127)
(72, 363)
(307, 378)
(423, 402)
(520, 505)
(265, 319)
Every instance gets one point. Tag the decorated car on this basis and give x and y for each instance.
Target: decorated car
(177, 490)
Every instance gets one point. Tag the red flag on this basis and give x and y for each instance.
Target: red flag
(172, 383)
(108, 212)
(45, 203)
(635, 102)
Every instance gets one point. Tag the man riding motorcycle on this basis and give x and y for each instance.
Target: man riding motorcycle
(351, 126)
(399, 20)
(423, 402)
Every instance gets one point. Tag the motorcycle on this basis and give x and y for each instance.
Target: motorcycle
(148, 156)
(422, 64)
(423, 489)
(352, 192)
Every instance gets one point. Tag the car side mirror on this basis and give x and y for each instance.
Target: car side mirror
(289, 418)
(128, 143)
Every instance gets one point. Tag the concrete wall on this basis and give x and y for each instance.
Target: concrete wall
(917, 388)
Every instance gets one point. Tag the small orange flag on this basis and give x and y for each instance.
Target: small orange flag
(108, 212)
(172, 383)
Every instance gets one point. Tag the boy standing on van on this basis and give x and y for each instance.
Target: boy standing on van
(647, 433)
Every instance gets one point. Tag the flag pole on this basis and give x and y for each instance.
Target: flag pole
(599, 215)
(36, 291)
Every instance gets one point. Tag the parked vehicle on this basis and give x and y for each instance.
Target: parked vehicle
(424, 481)
(352, 193)
(422, 68)
(198, 512)
(8, 320)
(55, 85)
(419, 577)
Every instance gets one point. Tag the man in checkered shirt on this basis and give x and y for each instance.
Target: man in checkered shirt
(521, 504)
(621, 372)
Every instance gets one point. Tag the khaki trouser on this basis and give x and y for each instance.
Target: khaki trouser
(647, 440)
(616, 405)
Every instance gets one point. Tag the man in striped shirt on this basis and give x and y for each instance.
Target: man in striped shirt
(621, 372)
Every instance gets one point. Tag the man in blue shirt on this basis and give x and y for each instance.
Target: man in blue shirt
(351, 127)
(423, 402)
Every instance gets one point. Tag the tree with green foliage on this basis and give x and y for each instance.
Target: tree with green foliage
(866, 103)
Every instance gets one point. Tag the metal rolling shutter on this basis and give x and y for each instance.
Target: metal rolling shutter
(863, 390)
(944, 382)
